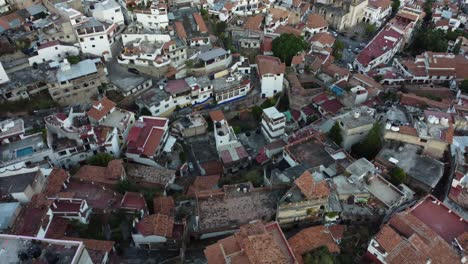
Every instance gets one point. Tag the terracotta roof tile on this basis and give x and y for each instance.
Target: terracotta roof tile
(180, 30)
(324, 38)
(217, 115)
(200, 23)
(163, 205)
(107, 175)
(314, 237)
(270, 65)
(253, 243)
(254, 22)
(316, 21)
(133, 201)
(100, 109)
(311, 189)
(157, 225)
(56, 181)
(203, 183)
(388, 238)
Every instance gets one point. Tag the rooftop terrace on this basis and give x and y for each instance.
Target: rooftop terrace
(21, 249)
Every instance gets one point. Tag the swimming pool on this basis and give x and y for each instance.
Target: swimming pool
(24, 152)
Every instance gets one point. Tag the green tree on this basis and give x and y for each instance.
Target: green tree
(338, 49)
(398, 176)
(370, 29)
(145, 112)
(395, 6)
(371, 145)
(100, 159)
(257, 113)
(335, 134)
(464, 86)
(378, 77)
(124, 186)
(429, 40)
(457, 47)
(220, 28)
(320, 255)
(287, 46)
(73, 59)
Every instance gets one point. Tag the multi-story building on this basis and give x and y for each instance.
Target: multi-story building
(355, 125)
(95, 37)
(11, 130)
(341, 14)
(145, 50)
(380, 49)
(71, 138)
(105, 113)
(77, 83)
(271, 72)
(22, 184)
(315, 24)
(146, 140)
(377, 11)
(108, 11)
(227, 89)
(273, 123)
(15, 246)
(53, 51)
(306, 200)
(433, 67)
(427, 232)
(230, 150)
(153, 18)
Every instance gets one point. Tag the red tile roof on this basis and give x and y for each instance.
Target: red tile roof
(57, 228)
(315, 21)
(383, 4)
(311, 189)
(406, 239)
(180, 30)
(133, 201)
(314, 237)
(217, 115)
(100, 109)
(164, 205)
(203, 183)
(32, 217)
(440, 218)
(253, 243)
(324, 38)
(269, 65)
(267, 44)
(156, 225)
(200, 23)
(254, 22)
(385, 40)
(107, 175)
(331, 106)
(146, 135)
(56, 181)
(213, 167)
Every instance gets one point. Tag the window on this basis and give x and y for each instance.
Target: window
(56, 48)
(93, 46)
(101, 37)
(91, 39)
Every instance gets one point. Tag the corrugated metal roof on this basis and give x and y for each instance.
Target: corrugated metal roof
(212, 54)
(82, 68)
